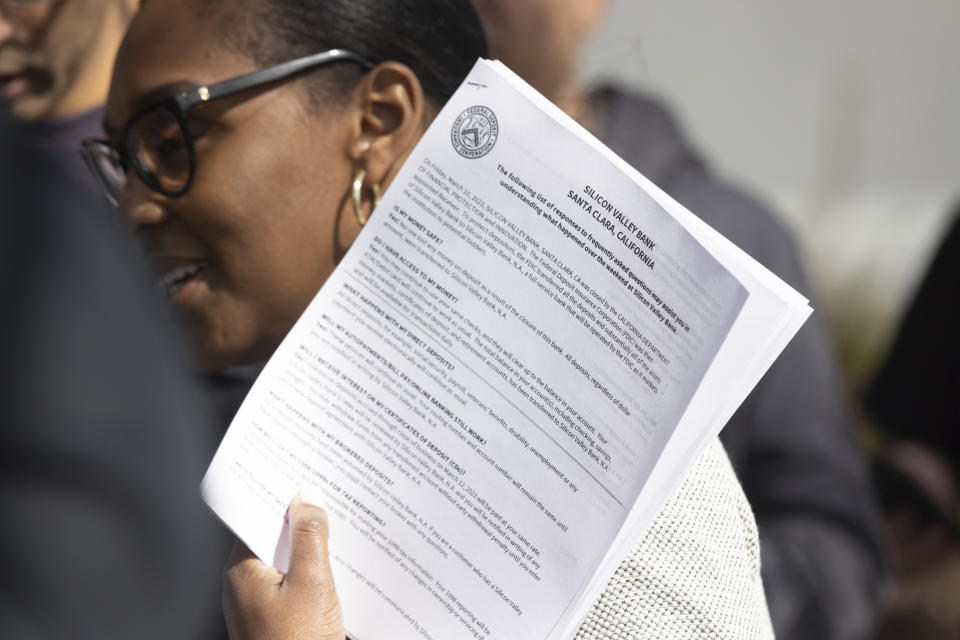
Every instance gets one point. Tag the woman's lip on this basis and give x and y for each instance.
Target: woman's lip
(190, 288)
(177, 275)
(12, 87)
(166, 262)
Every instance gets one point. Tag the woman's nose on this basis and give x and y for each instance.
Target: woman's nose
(140, 207)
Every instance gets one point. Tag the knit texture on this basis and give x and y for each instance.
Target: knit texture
(695, 573)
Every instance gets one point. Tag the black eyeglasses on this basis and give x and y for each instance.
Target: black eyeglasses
(157, 142)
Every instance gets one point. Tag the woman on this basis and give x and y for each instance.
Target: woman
(236, 136)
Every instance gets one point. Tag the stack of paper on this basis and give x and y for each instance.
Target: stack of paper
(508, 374)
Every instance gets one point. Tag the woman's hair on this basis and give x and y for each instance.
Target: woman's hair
(438, 39)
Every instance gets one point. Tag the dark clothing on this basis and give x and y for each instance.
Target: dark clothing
(103, 439)
(227, 389)
(790, 442)
(58, 140)
(915, 394)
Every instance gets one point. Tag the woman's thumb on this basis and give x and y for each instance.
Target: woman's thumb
(309, 531)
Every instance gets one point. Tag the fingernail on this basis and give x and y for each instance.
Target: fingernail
(314, 496)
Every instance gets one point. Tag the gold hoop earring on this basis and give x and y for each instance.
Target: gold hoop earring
(356, 191)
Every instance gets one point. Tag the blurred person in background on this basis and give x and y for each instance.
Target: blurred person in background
(99, 407)
(914, 395)
(791, 444)
(56, 57)
(913, 405)
(103, 438)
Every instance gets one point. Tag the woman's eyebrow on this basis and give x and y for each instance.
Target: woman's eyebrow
(154, 95)
(161, 92)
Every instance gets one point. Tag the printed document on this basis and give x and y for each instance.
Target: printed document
(506, 376)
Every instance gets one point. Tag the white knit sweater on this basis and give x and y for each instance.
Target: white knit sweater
(696, 572)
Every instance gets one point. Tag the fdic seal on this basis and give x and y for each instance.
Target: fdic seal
(474, 132)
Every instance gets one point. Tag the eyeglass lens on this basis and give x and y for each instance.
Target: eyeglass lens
(107, 166)
(158, 148)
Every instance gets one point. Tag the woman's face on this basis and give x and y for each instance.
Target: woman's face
(265, 220)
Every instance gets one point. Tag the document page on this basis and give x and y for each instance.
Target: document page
(486, 382)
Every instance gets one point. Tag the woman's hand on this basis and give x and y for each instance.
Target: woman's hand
(261, 603)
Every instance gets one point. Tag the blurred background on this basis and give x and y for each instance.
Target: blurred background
(841, 116)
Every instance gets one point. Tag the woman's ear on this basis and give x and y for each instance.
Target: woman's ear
(388, 116)
(389, 123)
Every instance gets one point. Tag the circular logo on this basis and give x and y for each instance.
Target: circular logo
(474, 132)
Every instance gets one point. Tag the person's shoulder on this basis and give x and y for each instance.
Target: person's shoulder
(642, 130)
(639, 129)
(743, 219)
(648, 110)
(696, 572)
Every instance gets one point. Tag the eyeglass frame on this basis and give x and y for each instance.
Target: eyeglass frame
(178, 105)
